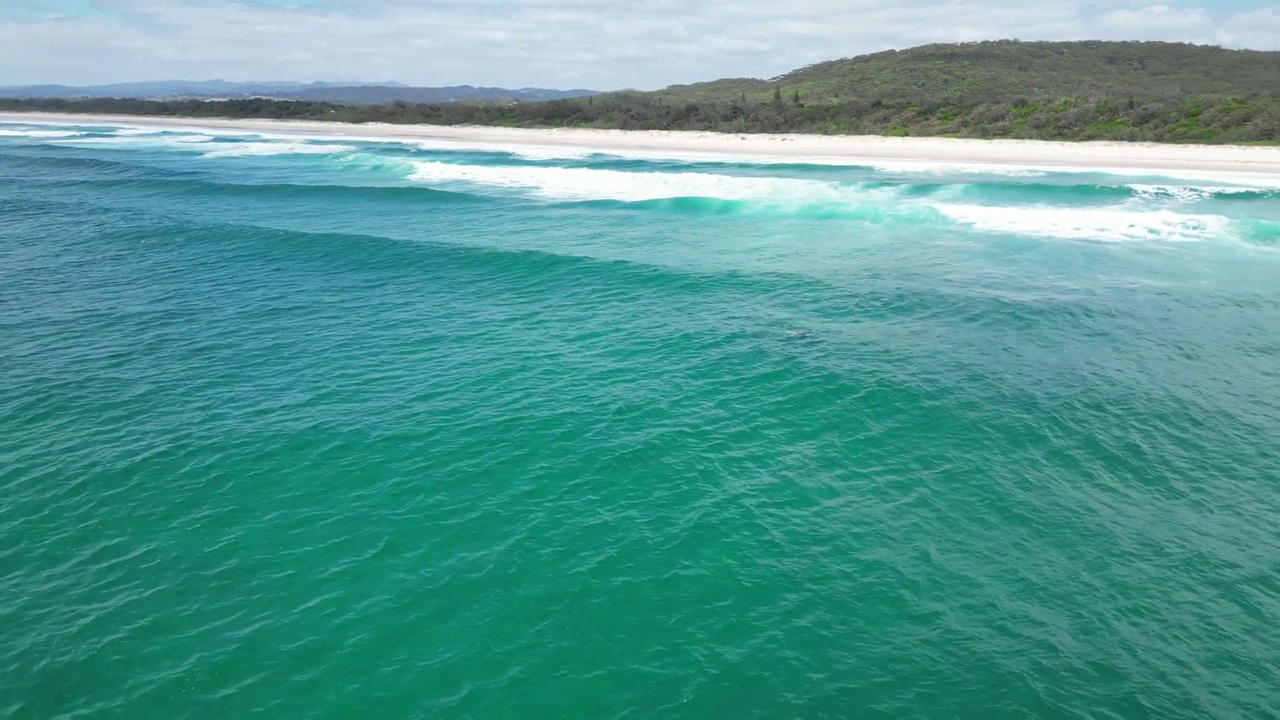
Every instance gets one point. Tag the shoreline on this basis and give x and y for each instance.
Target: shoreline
(822, 149)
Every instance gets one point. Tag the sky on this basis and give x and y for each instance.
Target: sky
(597, 44)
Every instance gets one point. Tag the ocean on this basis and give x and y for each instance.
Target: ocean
(328, 428)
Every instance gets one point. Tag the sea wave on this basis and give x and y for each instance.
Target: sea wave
(1192, 193)
(1246, 181)
(582, 184)
(951, 168)
(276, 148)
(718, 194)
(525, 152)
(132, 141)
(1107, 224)
(22, 133)
(1012, 200)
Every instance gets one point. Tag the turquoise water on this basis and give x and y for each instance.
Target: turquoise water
(331, 429)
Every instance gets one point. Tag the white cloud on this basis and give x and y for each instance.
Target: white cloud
(1260, 28)
(1158, 22)
(593, 43)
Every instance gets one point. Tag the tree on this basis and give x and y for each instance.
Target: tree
(777, 94)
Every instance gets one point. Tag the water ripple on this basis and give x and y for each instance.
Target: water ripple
(308, 449)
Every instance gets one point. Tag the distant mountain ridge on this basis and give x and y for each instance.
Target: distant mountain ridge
(348, 92)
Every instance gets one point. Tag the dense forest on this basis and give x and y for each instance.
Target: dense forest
(1161, 92)
(1003, 70)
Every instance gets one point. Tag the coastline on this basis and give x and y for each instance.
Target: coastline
(1253, 161)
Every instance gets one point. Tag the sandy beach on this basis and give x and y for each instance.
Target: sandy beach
(1109, 156)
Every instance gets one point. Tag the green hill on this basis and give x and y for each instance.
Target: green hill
(1009, 69)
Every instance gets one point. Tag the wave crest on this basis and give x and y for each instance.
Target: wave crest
(276, 148)
(582, 184)
(1107, 224)
(8, 132)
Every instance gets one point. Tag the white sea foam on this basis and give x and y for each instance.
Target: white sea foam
(533, 152)
(1113, 223)
(276, 148)
(1185, 193)
(5, 132)
(1165, 178)
(1180, 193)
(1105, 224)
(137, 141)
(952, 168)
(527, 152)
(1218, 181)
(136, 131)
(576, 184)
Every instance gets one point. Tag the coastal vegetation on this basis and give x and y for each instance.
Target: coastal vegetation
(1161, 92)
(1192, 119)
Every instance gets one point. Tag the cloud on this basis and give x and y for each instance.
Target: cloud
(1260, 28)
(591, 43)
(1158, 22)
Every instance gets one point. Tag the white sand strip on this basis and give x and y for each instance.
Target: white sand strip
(828, 149)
